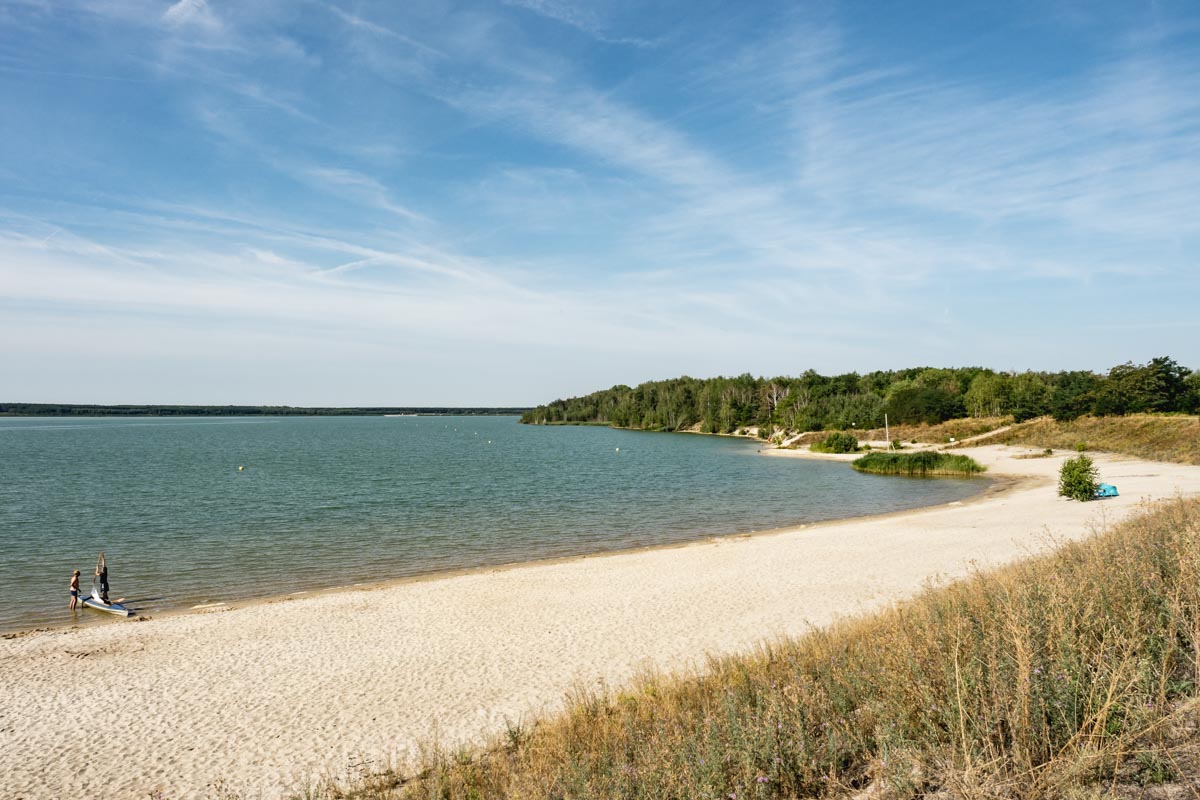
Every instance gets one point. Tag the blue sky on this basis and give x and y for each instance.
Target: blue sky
(502, 203)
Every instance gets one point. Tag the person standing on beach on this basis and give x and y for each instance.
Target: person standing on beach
(102, 576)
(74, 590)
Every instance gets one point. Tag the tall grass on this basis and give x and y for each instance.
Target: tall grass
(922, 463)
(1157, 437)
(1028, 682)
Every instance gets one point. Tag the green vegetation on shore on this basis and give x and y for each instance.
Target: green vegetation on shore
(72, 410)
(926, 463)
(1063, 675)
(909, 396)
(836, 443)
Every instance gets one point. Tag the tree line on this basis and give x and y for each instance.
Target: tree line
(919, 394)
(76, 410)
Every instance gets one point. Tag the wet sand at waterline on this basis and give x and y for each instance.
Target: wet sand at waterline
(266, 695)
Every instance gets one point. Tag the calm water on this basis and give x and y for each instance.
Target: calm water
(327, 501)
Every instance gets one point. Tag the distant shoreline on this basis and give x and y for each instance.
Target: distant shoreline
(87, 410)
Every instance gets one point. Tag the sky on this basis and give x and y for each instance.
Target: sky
(502, 203)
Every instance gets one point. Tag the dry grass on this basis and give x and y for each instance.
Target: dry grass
(1157, 437)
(941, 433)
(1057, 676)
(1047, 453)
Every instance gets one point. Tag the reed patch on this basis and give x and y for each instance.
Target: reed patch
(926, 463)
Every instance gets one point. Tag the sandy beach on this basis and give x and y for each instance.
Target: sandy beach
(264, 696)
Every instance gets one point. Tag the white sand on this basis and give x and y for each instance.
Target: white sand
(266, 694)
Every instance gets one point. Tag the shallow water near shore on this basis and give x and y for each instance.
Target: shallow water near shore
(328, 501)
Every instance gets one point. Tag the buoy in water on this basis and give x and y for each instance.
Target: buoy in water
(241, 469)
(618, 449)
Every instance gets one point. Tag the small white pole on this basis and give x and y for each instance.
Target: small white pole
(886, 433)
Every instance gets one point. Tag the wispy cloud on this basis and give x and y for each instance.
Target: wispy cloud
(192, 14)
(259, 94)
(362, 24)
(360, 186)
(580, 16)
(1109, 156)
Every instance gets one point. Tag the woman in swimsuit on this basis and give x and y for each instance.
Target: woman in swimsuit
(74, 589)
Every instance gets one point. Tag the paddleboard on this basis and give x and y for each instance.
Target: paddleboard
(112, 608)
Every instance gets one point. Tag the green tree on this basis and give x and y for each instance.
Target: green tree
(988, 395)
(946, 380)
(1074, 394)
(1030, 396)
(1191, 398)
(1160, 385)
(923, 404)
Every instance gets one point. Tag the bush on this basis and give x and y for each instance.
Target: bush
(896, 445)
(1078, 478)
(837, 443)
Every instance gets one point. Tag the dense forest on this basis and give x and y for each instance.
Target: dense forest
(72, 410)
(920, 394)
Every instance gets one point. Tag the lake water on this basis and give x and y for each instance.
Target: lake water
(329, 501)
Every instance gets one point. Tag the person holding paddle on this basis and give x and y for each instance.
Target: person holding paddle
(102, 577)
